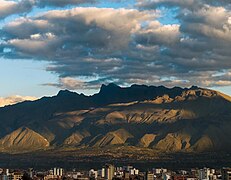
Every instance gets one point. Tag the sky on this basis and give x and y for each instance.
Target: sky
(48, 45)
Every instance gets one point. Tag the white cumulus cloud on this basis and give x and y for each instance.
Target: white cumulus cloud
(4, 101)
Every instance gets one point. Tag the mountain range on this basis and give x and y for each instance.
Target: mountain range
(166, 120)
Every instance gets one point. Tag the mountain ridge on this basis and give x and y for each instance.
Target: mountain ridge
(163, 119)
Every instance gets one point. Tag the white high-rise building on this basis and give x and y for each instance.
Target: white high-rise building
(134, 171)
(93, 173)
(58, 172)
(110, 172)
(103, 172)
(55, 171)
(204, 174)
(7, 172)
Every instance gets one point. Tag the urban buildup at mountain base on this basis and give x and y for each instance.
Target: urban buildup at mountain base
(110, 172)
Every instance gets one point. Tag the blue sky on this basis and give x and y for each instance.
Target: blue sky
(25, 77)
(155, 43)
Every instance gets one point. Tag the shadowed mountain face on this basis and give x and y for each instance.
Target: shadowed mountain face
(158, 118)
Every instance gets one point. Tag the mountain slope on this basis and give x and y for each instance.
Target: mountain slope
(158, 118)
(23, 139)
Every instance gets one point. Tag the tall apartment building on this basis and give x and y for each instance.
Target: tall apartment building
(110, 172)
(149, 176)
(226, 174)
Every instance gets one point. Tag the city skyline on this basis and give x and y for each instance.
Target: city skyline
(110, 172)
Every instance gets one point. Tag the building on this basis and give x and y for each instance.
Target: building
(58, 172)
(204, 174)
(126, 175)
(15, 176)
(166, 176)
(127, 168)
(3, 177)
(159, 170)
(31, 172)
(179, 177)
(226, 174)
(101, 173)
(149, 176)
(134, 171)
(110, 172)
(93, 174)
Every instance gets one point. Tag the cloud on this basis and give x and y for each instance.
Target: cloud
(62, 3)
(188, 4)
(203, 46)
(158, 34)
(80, 42)
(8, 8)
(151, 4)
(74, 84)
(15, 99)
(23, 7)
(74, 32)
(211, 22)
(126, 46)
